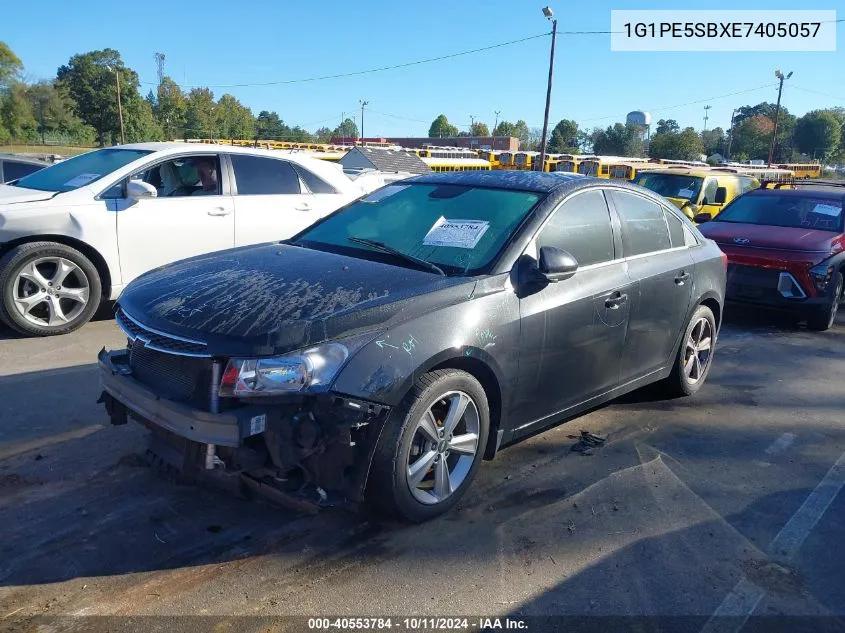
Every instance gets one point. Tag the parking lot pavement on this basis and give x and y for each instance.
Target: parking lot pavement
(727, 502)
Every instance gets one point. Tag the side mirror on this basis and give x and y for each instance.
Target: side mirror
(139, 190)
(721, 195)
(556, 264)
(701, 218)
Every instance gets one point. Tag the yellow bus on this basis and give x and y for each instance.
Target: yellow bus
(681, 163)
(491, 156)
(457, 164)
(506, 160)
(599, 166)
(769, 177)
(569, 162)
(628, 171)
(803, 170)
(525, 160)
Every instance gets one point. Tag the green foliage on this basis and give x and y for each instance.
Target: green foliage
(818, 133)
(234, 120)
(673, 145)
(752, 137)
(323, 135)
(666, 126)
(199, 114)
(504, 128)
(714, 141)
(618, 140)
(16, 112)
(170, 109)
(441, 127)
(479, 129)
(347, 130)
(564, 138)
(10, 65)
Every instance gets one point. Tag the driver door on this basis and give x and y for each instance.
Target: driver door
(184, 218)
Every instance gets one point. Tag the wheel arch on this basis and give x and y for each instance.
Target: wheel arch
(83, 247)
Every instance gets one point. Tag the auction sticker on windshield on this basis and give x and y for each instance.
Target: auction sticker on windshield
(827, 209)
(81, 180)
(456, 233)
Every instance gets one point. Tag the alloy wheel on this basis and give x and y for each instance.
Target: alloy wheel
(51, 291)
(698, 350)
(443, 448)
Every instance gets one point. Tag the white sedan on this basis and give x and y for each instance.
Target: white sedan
(79, 231)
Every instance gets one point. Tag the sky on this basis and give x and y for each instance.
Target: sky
(214, 42)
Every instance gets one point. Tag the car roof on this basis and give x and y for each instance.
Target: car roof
(536, 181)
(802, 192)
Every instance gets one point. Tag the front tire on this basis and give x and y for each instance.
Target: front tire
(431, 447)
(47, 289)
(695, 355)
(823, 317)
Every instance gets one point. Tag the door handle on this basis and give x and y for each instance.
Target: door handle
(613, 303)
(219, 211)
(303, 207)
(681, 278)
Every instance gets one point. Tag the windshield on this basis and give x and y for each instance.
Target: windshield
(461, 229)
(671, 185)
(80, 170)
(793, 211)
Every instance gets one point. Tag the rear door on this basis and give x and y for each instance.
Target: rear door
(661, 267)
(271, 201)
(187, 217)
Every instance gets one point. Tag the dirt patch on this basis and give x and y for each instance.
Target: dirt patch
(13, 481)
(774, 577)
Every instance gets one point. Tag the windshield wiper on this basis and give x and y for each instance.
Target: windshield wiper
(381, 246)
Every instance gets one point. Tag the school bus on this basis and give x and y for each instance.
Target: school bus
(681, 163)
(506, 160)
(491, 156)
(599, 166)
(569, 162)
(524, 160)
(769, 177)
(457, 164)
(628, 171)
(803, 170)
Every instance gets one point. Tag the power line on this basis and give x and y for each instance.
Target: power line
(369, 70)
(816, 92)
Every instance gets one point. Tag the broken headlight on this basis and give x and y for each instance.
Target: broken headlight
(821, 276)
(303, 370)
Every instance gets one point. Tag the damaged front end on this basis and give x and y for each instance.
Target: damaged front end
(306, 450)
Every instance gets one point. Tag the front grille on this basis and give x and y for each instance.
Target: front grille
(183, 379)
(159, 341)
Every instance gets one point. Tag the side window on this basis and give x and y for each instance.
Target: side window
(582, 227)
(676, 229)
(643, 225)
(12, 169)
(314, 183)
(257, 176)
(181, 177)
(708, 194)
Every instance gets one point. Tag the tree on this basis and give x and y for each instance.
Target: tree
(479, 129)
(713, 141)
(10, 65)
(52, 108)
(818, 133)
(521, 131)
(16, 113)
(199, 114)
(90, 81)
(564, 139)
(752, 137)
(441, 127)
(504, 128)
(323, 135)
(347, 130)
(169, 108)
(234, 120)
(784, 148)
(665, 126)
(618, 140)
(685, 145)
(269, 126)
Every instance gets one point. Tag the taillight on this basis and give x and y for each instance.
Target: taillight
(724, 259)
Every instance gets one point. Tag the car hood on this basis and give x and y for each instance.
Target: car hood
(274, 298)
(14, 195)
(775, 237)
(678, 202)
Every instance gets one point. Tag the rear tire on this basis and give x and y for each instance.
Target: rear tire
(47, 288)
(823, 317)
(431, 447)
(695, 354)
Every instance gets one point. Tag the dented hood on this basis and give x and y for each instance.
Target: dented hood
(275, 298)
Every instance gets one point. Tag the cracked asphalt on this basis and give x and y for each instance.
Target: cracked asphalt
(693, 506)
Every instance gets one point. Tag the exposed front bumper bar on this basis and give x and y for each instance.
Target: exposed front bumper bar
(224, 429)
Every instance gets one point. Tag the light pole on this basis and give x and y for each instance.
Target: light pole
(730, 136)
(493, 131)
(119, 104)
(781, 78)
(706, 115)
(547, 11)
(363, 103)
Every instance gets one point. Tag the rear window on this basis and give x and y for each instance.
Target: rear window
(787, 210)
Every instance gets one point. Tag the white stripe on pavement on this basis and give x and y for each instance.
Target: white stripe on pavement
(781, 444)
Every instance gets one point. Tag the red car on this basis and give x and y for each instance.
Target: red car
(786, 250)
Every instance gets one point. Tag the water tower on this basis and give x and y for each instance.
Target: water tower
(642, 120)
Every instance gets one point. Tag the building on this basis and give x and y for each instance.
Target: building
(387, 161)
(503, 143)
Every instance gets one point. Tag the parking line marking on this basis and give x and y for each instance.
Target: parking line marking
(745, 596)
(781, 444)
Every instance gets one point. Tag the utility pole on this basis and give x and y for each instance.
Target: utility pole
(119, 106)
(363, 103)
(781, 78)
(493, 131)
(159, 57)
(706, 115)
(730, 136)
(547, 11)
(342, 128)
(41, 118)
